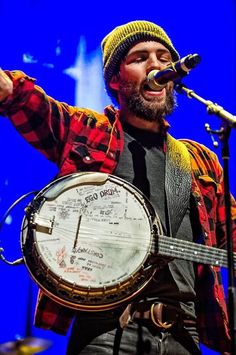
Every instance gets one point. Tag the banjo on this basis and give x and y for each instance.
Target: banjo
(89, 240)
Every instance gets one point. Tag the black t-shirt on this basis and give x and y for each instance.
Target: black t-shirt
(142, 163)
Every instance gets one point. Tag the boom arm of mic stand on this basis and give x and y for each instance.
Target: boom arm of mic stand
(229, 121)
(211, 107)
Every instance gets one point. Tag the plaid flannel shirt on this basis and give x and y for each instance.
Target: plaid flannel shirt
(83, 140)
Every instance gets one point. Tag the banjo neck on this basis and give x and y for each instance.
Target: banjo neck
(190, 251)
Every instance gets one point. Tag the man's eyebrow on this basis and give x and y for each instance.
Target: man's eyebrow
(138, 51)
(146, 51)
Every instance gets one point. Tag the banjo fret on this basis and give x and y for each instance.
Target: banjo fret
(192, 251)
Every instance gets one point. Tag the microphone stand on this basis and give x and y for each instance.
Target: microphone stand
(228, 122)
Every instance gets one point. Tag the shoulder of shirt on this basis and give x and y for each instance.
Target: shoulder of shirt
(204, 160)
(197, 147)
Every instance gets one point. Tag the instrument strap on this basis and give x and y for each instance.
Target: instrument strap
(177, 182)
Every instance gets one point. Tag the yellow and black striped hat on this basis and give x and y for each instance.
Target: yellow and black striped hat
(117, 43)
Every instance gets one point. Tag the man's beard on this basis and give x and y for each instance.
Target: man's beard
(149, 110)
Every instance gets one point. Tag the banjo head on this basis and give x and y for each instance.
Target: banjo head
(87, 239)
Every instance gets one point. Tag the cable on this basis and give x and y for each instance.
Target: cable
(6, 214)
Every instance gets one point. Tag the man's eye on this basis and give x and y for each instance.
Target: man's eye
(166, 61)
(139, 59)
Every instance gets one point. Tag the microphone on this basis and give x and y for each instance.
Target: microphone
(157, 79)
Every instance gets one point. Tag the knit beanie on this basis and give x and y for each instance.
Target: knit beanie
(118, 42)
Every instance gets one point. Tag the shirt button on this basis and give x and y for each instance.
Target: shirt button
(206, 234)
(87, 157)
(111, 154)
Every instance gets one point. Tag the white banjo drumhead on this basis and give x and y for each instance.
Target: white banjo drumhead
(93, 230)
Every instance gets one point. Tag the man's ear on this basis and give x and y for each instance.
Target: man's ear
(115, 81)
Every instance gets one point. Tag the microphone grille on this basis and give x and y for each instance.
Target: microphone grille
(192, 61)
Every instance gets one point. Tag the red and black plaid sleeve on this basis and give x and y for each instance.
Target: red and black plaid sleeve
(41, 120)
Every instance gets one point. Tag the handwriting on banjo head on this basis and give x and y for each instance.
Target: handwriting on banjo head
(75, 230)
(102, 193)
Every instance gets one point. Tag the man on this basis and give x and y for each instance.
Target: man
(184, 303)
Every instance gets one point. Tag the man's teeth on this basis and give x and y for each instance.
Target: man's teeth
(146, 87)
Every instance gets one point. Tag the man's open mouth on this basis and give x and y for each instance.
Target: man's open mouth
(146, 87)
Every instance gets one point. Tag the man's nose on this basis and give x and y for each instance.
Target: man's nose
(155, 63)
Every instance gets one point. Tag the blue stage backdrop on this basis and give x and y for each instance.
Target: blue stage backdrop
(59, 45)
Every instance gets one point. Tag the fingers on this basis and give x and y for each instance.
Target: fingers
(6, 85)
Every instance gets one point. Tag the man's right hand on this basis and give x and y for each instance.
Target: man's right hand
(6, 86)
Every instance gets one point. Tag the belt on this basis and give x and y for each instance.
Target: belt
(161, 315)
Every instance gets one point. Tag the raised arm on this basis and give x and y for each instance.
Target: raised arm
(41, 120)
